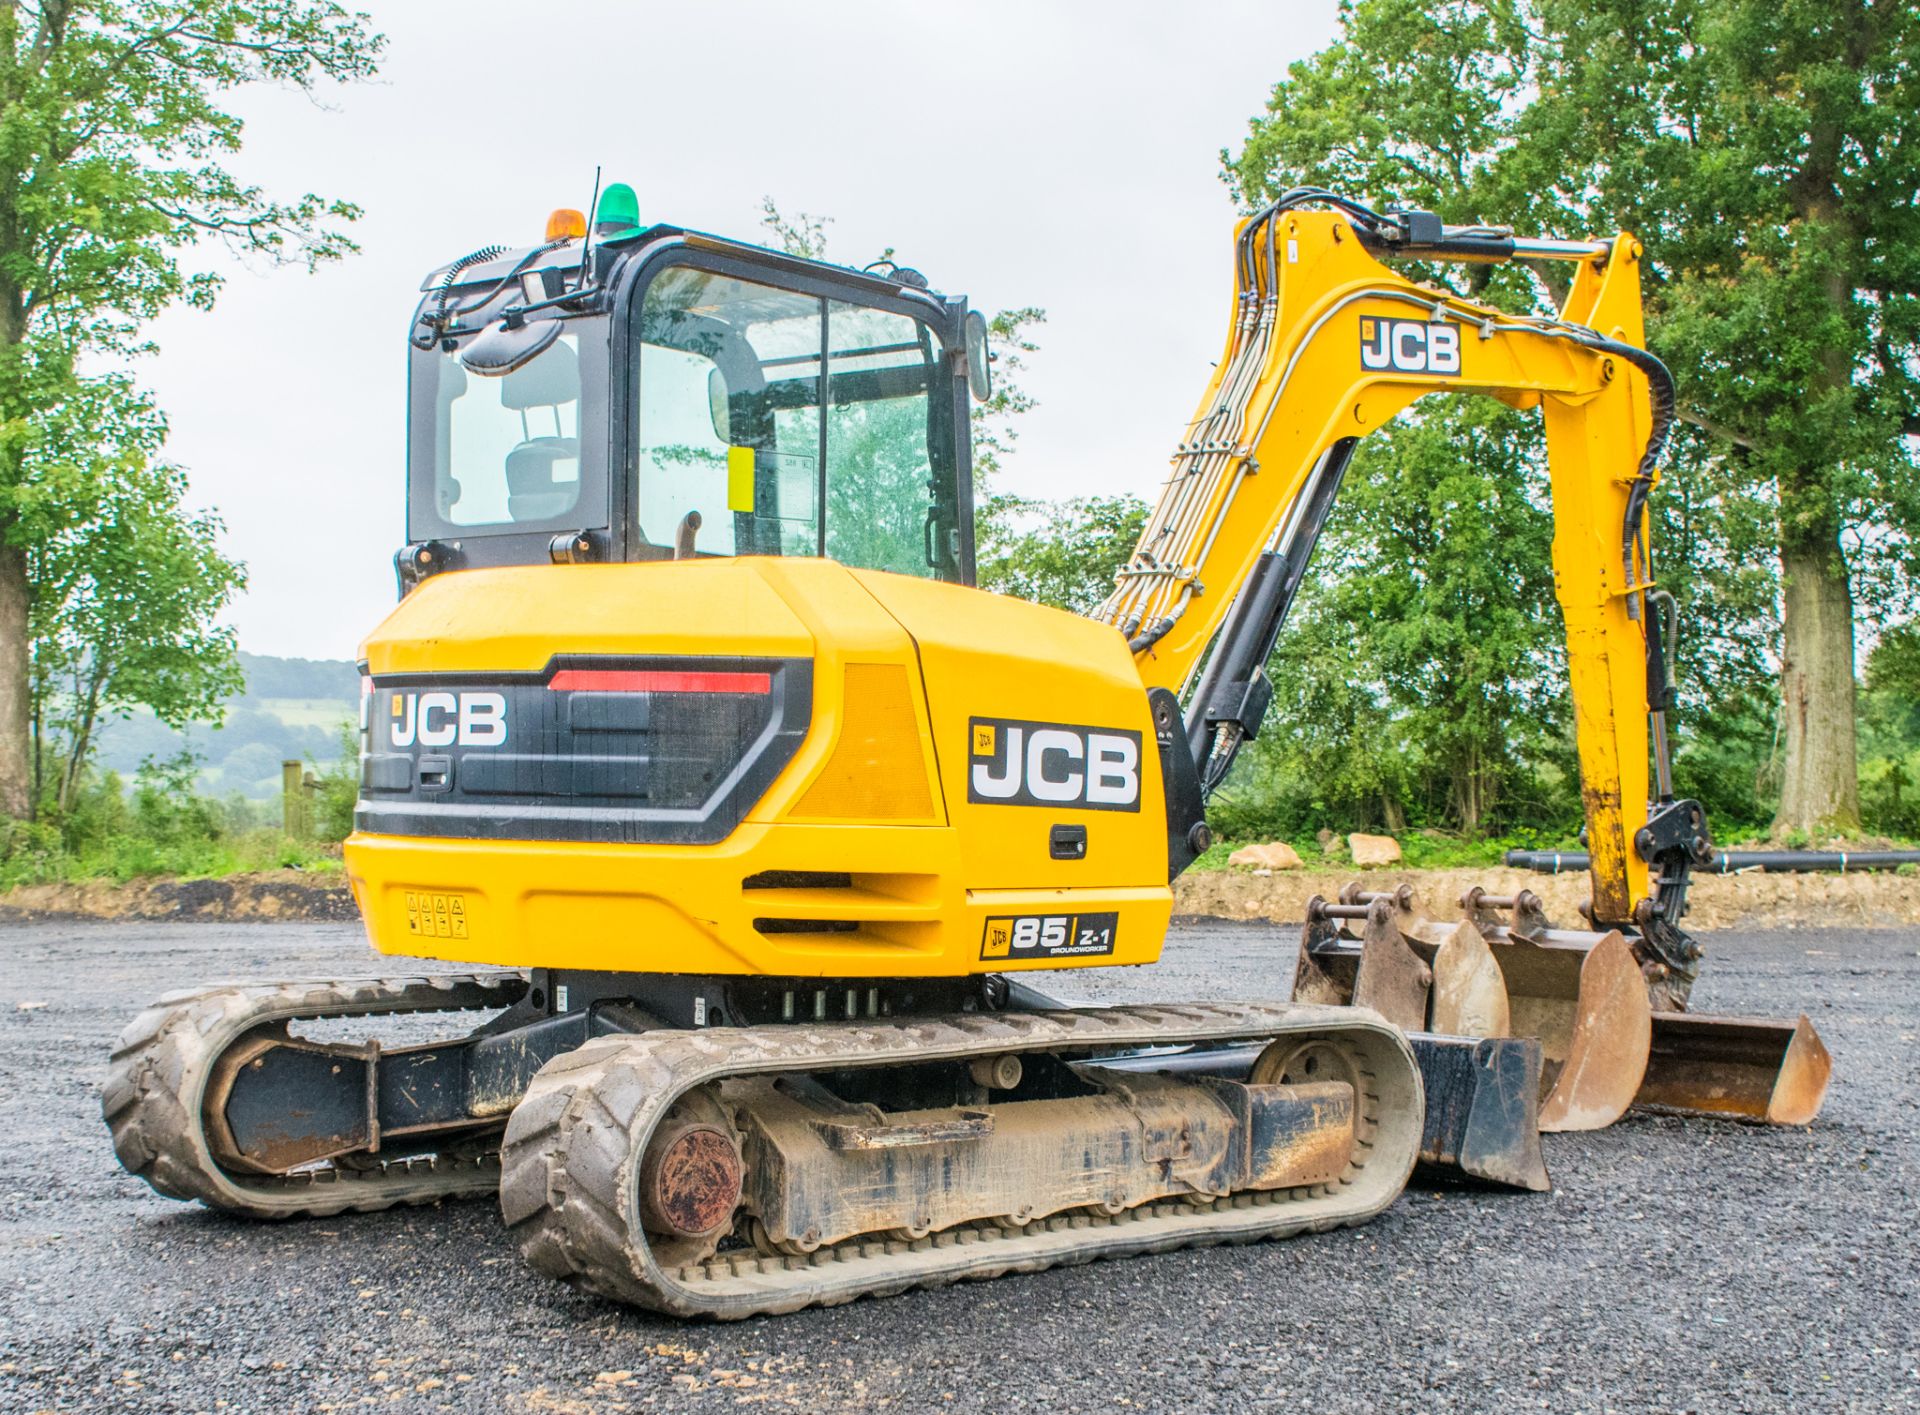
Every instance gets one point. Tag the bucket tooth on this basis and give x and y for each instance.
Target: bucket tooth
(1483, 1109)
(1742, 1068)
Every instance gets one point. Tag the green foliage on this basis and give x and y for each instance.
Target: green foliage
(1420, 679)
(1767, 154)
(123, 615)
(1010, 339)
(162, 826)
(1062, 553)
(339, 788)
(113, 140)
(1890, 735)
(802, 234)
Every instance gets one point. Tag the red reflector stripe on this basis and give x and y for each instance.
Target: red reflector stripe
(623, 680)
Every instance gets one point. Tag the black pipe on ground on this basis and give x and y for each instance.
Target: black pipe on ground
(1729, 862)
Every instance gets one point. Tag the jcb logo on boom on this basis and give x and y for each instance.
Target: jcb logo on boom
(1410, 346)
(1015, 763)
(443, 719)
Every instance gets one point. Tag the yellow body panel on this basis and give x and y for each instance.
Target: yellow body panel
(924, 881)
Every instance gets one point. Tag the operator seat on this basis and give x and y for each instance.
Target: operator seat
(534, 493)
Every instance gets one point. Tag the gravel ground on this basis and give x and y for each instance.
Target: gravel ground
(1679, 1265)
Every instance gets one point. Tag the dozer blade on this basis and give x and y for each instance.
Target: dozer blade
(1743, 1068)
(1440, 984)
(1483, 1109)
(1482, 1102)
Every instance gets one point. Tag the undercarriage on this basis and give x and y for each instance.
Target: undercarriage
(946, 1130)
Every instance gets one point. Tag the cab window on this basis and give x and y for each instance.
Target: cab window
(505, 452)
(772, 422)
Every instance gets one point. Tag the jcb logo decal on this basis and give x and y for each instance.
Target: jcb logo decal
(1015, 763)
(442, 719)
(1410, 346)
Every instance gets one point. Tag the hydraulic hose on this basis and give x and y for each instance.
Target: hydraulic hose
(1727, 862)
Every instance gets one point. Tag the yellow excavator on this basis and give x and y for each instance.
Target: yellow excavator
(753, 818)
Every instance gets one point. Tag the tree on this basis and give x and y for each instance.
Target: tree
(1423, 666)
(1062, 553)
(112, 141)
(123, 615)
(1768, 154)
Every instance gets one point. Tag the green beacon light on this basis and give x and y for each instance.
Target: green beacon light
(619, 213)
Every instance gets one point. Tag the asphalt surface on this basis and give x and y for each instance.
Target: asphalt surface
(1679, 1265)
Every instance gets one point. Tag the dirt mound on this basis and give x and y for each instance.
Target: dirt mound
(1876, 900)
(277, 894)
(1753, 900)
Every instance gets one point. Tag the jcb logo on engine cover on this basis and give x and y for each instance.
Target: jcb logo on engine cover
(442, 719)
(1410, 346)
(1015, 763)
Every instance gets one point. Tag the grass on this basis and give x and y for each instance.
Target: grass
(121, 858)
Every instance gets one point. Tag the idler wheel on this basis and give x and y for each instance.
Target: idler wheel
(690, 1180)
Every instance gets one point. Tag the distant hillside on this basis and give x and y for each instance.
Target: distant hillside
(293, 709)
(329, 678)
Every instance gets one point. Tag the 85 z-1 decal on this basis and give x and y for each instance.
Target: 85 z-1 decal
(1016, 936)
(1015, 763)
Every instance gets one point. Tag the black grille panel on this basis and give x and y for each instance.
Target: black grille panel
(670, 750)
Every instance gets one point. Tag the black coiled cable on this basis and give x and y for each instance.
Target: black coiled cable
(437, 318)
(437, 321)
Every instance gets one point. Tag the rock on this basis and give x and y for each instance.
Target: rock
(1373, 850)
(1276, 856)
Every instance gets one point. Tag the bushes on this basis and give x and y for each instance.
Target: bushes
(162, 826)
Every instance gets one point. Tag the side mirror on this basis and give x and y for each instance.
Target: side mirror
(504, 348)
(979, 357)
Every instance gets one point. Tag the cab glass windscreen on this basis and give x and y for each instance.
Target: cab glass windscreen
(773, 422)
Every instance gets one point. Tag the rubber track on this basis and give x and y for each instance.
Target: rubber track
(159, 1070)
(574, 1142)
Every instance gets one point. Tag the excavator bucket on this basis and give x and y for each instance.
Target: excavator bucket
(1469, 996)
(1482, 1092)
(1743, 1068)
(1607, 1046)
(1379, 969)
(1582, 994)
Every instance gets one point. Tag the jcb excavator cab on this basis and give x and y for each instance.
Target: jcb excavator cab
(659, 394)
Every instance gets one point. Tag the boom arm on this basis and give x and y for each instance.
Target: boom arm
(1327, 345)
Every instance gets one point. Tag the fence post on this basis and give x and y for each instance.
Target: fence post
(295, 816)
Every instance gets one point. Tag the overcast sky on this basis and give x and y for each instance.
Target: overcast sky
(1053, 154)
